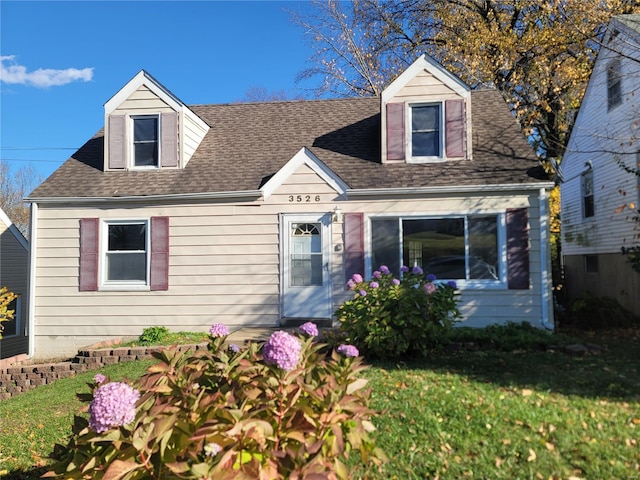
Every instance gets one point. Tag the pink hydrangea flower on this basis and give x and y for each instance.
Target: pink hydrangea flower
(99, 378)
(310, 329)
(404, 269)
(429, 288)
(351, 284)
(212, 449)
(385, 270)
(363, 293)
(283, 350)
(218, 330)
(113, 405)
(417, 270)
(348, 350)
(395, 281)
(377, 274)
(374, 284)
(356, 277)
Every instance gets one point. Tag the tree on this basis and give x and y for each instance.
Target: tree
(13, 188)
(538, 54)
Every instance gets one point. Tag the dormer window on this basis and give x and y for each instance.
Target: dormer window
(426, 128)
(145, 140)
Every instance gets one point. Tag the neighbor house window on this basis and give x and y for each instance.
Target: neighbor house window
(126, 253)
(10, 328)
(614, 84)
(591, 264)
(463, 248)
(426, 130)
(145, 140)
(588, 209)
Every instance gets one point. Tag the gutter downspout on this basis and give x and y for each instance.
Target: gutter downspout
(545, 288)
(33, 248)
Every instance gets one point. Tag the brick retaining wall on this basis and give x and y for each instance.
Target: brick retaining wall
(16, 379)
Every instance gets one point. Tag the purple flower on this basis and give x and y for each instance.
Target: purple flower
(348, 350)
(356, 277)
(431, 277)
(283, 350)
(99, 378)
(113, 405)
(385, 270)
(374, 284)
(363, 293)
(395, 281)
(452, 284)
(351, 284)
(417, 270)
(309, 329)
(377, 274)
(404, 269)
(218, 330)
(234, 348)
(429, 288)
(212, 449)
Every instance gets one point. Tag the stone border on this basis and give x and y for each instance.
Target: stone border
(17, 379)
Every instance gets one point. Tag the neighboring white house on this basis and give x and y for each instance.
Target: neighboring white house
(600, 194)
(256, 214)
(14, 274)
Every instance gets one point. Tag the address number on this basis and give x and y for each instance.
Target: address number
(304, 198)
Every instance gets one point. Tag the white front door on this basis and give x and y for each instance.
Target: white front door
(306, 281)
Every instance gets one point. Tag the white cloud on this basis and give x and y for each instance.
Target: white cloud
(14, 74)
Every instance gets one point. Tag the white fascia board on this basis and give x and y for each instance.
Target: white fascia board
(373, 192)
(304, 157)
(425, 63)
(143, 78)
(245, 194)
(14, 230)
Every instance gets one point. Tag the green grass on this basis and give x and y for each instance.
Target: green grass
(491, 414)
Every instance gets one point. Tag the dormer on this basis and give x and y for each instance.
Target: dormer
(147, 127)
(426, 116)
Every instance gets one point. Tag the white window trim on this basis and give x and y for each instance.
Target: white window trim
(131, 146)
(409, 134)
(462, 284)
(120, 285)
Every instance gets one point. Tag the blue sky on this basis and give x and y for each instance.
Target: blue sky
(62, 61)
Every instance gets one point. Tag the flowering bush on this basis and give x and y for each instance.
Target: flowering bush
(113, 405)
(389, 317)
(222, 414)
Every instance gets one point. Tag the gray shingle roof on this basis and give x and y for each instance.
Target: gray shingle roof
(249, 142)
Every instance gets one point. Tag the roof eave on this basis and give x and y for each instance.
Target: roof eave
(245, 194)
(385, 192)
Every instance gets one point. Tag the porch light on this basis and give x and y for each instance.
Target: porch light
(336, 217)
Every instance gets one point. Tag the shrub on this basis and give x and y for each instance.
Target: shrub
(228, 413)
(153, 335)
(589, 312)
(388, 317)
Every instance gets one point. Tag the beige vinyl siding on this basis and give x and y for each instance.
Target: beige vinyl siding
(225, 264)
(425, 87)
(192, 131)
(14, 273)
(143, 101)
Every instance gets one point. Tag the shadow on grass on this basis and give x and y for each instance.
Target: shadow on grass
(612, 373)
(30, 474)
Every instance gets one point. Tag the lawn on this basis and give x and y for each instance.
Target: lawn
(524, 413)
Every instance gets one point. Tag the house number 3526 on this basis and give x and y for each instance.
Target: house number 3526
(304, 198)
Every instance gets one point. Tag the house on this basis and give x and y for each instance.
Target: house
(256, 214)
(600, 195)
(14, 274)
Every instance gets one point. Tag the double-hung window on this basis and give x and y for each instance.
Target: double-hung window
(466, 248)
(588, 207)
(614, 84)
(426, 131)
(146, 144)
(126, 253)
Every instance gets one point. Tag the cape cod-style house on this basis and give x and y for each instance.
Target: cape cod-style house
(256, 214)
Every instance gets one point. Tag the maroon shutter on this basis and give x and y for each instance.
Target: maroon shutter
(169, 132)
(117, 141)
(395, 131)
(159, 253)
(455, 134)
(517, 249)
(353, 244)
(89, 251)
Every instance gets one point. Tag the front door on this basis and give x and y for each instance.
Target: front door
(306, 281)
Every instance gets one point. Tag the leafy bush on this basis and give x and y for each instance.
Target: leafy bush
(589, 312)
(6, 297)
(153, 335)
(281, 409)
(388, 317)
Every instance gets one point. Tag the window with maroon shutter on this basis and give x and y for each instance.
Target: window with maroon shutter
(455, 132)
(89, 251)
(159, 272)
(353, 244)
(517, 248)
(169, 134)
(117, 142)
(395, 131)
